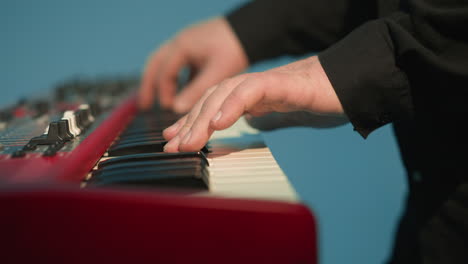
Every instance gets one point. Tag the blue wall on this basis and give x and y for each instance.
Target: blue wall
(354, 186)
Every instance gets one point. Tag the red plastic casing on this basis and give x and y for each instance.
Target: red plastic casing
(46, 218)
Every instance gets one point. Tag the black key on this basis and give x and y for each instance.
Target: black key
(159, 115)
(147, 120)
(138, 147)
(145, 131)
(153, 157)
(151, 163)
(192, 170)
(194, 177)
(151, 122)
(141, 135)
(128, 140)
(175, 170)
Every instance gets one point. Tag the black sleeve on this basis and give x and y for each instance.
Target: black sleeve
(394, 67)
(374, 64)
(363, 70)
(270, 28)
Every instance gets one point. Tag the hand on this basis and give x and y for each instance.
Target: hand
(299, 86)
(211, 51)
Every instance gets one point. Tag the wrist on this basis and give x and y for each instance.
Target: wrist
(324, 100)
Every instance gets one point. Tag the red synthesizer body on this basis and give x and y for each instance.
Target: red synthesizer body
(47, 216)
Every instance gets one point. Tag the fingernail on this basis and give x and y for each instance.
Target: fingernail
(217, 116)
(187, 138)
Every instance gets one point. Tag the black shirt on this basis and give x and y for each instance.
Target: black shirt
(404, 62)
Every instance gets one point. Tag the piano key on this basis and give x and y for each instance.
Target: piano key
(176, 169)
(136, 139)
(141, 147)
(240, 163)
(275, 190)
(152, 123)
(153, 163)
(185, 176)
(153, 157)
(142, 134)
(143, 131)
(138, 147)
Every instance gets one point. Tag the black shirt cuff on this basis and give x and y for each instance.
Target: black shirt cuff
(372, 89)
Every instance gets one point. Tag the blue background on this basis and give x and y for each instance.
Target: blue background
(354, 186)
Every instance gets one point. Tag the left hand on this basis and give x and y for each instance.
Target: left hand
(298, 86)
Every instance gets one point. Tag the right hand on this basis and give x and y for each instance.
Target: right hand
(212, 52)
(299, 86)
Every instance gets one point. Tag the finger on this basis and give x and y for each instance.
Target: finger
(192, 116)
(199, 129)
(184, 124)
(167, 78)
(242, 100)
(208, 76)
(172, 145)
(147, 88)
(171, 131)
